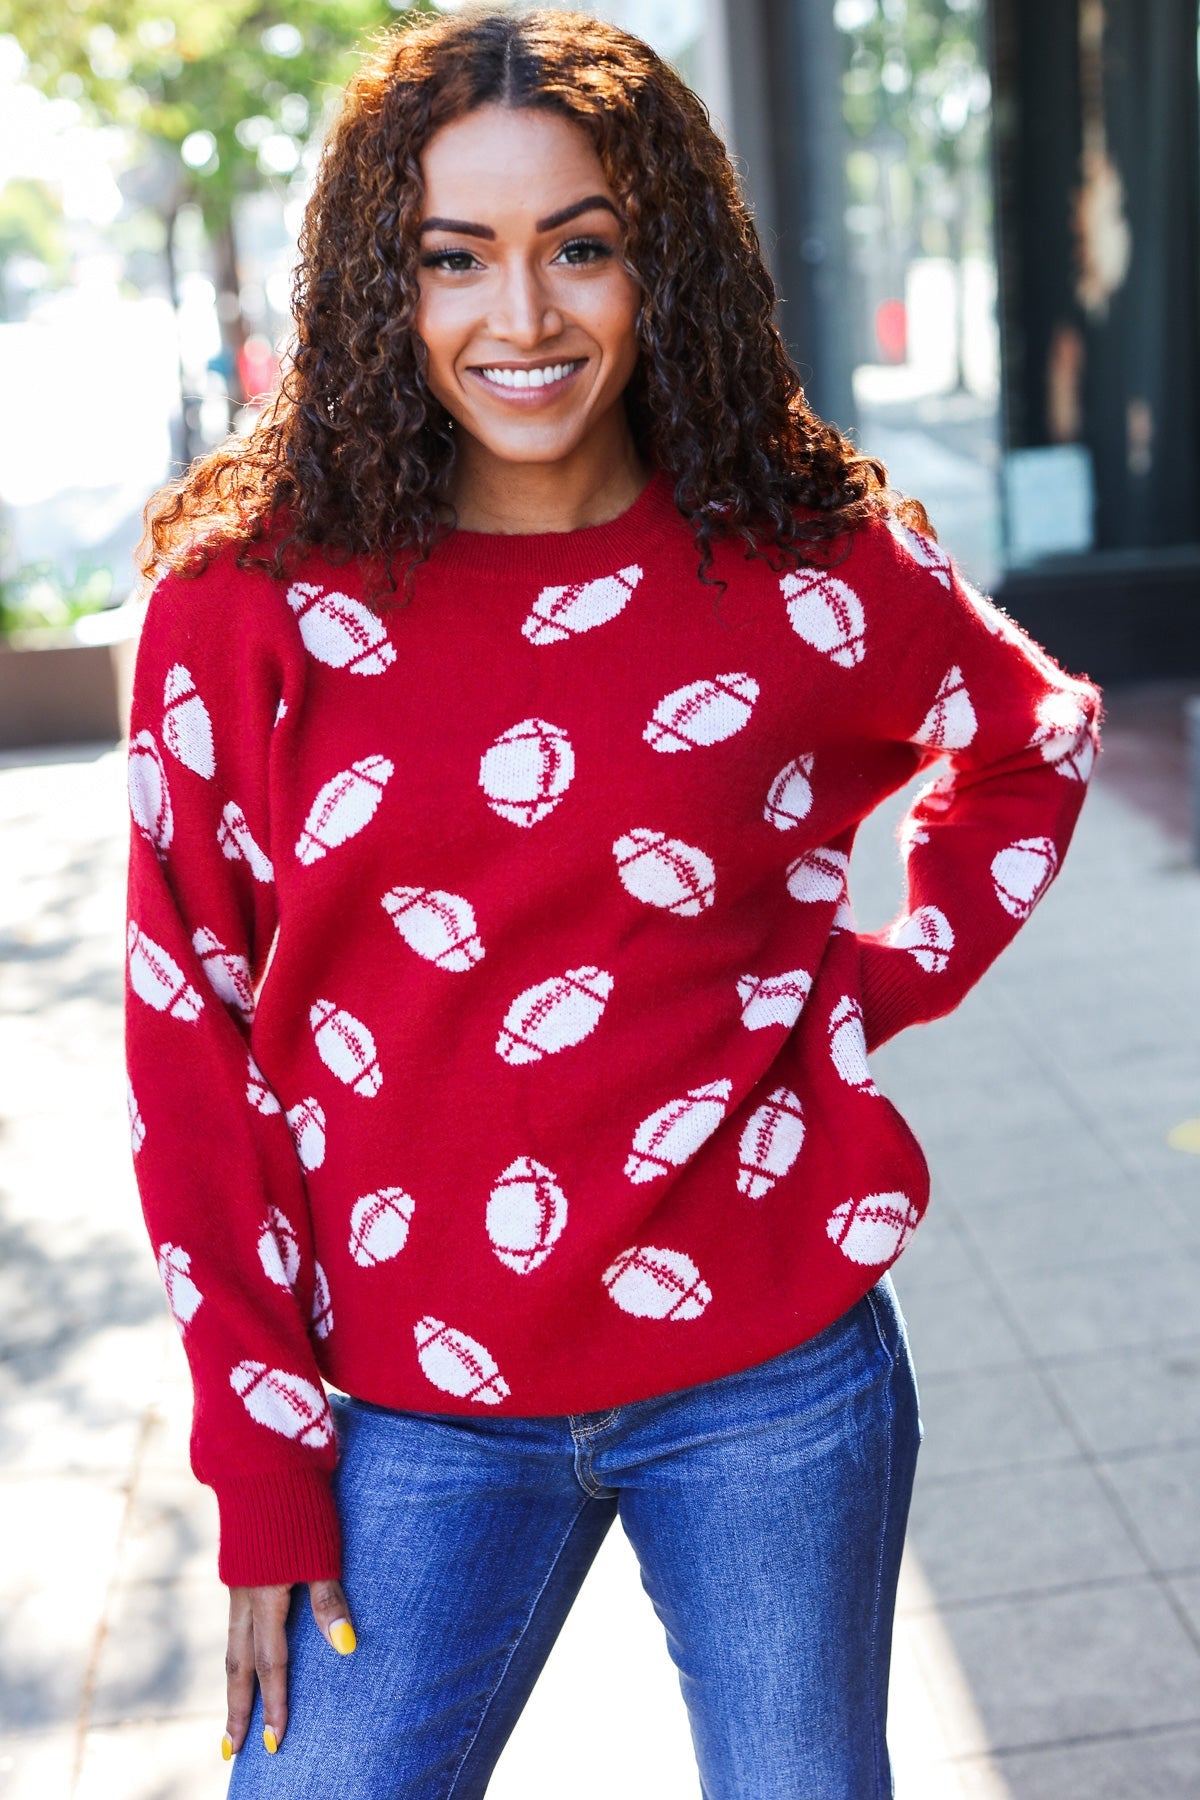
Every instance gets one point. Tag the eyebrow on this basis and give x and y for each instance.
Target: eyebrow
(551, 222)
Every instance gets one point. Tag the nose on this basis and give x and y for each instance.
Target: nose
(523, 314)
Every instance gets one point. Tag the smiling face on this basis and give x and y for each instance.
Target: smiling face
(526, 309)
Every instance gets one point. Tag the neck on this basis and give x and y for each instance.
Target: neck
(593, 484)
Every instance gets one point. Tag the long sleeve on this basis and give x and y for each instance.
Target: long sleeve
(218, 1170)
(984, 839)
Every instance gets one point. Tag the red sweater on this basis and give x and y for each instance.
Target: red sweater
(497, 1027)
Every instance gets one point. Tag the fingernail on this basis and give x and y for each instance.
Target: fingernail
(341, 1636)
(271, 1741)
(226, 1747)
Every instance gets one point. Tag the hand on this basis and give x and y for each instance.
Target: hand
(258, 1649)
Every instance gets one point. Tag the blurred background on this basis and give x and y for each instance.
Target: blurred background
(983, 217)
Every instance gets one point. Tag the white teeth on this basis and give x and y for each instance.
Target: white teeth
(526, 378)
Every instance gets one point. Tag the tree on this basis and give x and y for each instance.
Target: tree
(915, 76)
(222, 94)
(31, 230)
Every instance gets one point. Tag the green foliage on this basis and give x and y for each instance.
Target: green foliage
(253, 76)
(37, 596)
(914, 68)
(31, 224)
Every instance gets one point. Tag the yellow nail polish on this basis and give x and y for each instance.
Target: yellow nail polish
(226, 1747)
(271, 1741)
(342, 1637)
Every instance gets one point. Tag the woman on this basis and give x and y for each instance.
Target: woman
(498, 1027)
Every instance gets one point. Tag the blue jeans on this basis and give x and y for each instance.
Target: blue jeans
(767, 1510)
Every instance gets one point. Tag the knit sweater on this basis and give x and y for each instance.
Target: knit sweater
(497, 1026)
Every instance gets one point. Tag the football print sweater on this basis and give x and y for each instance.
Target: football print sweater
(497, 1024)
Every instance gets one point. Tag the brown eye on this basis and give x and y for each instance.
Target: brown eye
(584, 250)
(457, 261)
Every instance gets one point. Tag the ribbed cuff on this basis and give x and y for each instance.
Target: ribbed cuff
(278, 1528)
(889, 999)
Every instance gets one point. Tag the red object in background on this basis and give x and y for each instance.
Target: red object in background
(891, 330)
(258, 367)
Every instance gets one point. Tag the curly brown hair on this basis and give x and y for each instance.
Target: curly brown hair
(353, 452)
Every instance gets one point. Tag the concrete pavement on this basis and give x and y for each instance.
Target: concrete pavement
(1048, 1646)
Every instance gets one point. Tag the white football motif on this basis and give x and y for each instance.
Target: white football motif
(819, 877)
(339, 631)
(1022, 872)
(379, 1226)
(158, 979)
(183, 1296)
(238, 843)
(322, 1306)
(526, 772)
(438, 926)
(923, 550)
(560, 613)
(950, 723)
(790, 798)
(771, 1142)
(186, 726)
(703, 712)
(137, 1127)
(827, 614)
(344, 805)
(552, 1015)
(346, 1047)
(773, 999)
(306, 1122)
(1064, 735)
(149, 795)
(279, 1249)
(284, 1403)
(669, 1136)
(458, 1364)
(664, 872)
(228, 973)
(657, 1284)
(258, 1093)
(927, 935)
(848, 1045)
(874, 1230)
(526, 1212)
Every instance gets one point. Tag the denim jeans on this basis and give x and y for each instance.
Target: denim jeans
(767, 1511)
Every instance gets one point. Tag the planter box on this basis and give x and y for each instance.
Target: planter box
(55, 690)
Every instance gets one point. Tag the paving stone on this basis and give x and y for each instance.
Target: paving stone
(1161, 1490)
(37, 1765)
(47, 1640)
(989, 1420)
(163, 1652)
(1025, 1160)
(1139, 1399)
(1068, 1226)
(170, 1531)
(938, 1251)
(1083, 1664)
(61, 1535)
(1016, 1531)
(1141, 1301)
(168, 1760)
(1159, 1765)
(956, 1326)
(1186, 1589)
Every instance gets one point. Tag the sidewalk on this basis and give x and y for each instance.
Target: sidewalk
(1049, 1640)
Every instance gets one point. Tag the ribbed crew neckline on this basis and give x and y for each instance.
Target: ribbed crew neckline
(549, 556)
